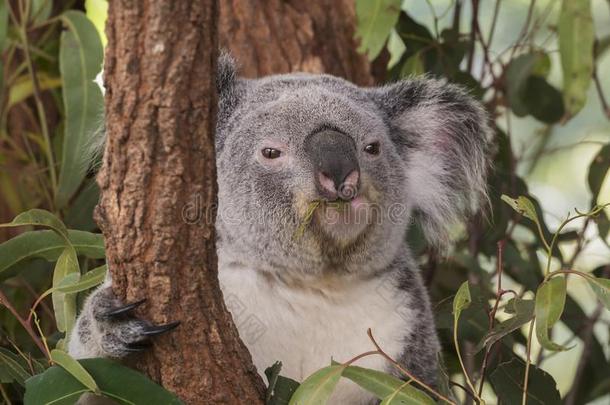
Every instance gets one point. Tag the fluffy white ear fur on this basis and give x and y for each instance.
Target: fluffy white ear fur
(447, 150)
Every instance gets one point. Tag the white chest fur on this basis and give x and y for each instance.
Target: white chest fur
(305, 328)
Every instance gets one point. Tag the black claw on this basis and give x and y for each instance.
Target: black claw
(123, 310)
(159, 329)
(138, 346)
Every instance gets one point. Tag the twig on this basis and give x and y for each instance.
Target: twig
(28, 328)
(473, 31)
(492, 314)
(406, 372)
(528, 361)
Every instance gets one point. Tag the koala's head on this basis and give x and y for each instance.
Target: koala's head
(319, 176)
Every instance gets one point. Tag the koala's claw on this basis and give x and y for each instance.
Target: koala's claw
(122, 310)
(139, 346)
(151, 331)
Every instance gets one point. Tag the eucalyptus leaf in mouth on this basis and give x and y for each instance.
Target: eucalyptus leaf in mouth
(311, 208)
(339, 205)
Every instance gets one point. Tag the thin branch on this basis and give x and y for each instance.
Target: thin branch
(473, 31)
(492, 314)
(528, 362)
(28, 328)
(406, 372)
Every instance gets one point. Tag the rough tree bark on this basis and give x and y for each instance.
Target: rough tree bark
(281, 36)
(161, 105)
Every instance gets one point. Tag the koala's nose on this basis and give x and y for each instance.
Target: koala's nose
(333, 155)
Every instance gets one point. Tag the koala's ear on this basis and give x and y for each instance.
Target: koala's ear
(226, 72)
(444, 137)
(230, 90)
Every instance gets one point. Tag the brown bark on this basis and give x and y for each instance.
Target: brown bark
(161, 105)
(281, 36)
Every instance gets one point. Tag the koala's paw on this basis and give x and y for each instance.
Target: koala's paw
(108, 328)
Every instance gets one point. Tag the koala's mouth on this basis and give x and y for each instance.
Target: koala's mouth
(340, 220)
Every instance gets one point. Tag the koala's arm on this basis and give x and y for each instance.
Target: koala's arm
(421, 353)
(107, 328)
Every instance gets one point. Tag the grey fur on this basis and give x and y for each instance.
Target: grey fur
(434, 158)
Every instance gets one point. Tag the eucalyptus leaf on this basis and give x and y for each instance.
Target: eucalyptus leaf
(46, 245)
(318, 387)
(385, 385)
(125, 386)
(523, 206)
(3, 27)
(461, 300)
(576, 39)
(13, 368)
(80, 60)
(601, 288)
(73, 367)
(38, 217)
(523, 311)
(543, 101)
(24, 88)
(598, 170)
(507, 381)
(92, 278)
(64, 305)
(550, 301)
(376, 19)
(280, 388)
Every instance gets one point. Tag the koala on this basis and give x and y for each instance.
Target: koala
(318, 183)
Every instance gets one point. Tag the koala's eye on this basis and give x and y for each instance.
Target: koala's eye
(372, 148)
(271, 153)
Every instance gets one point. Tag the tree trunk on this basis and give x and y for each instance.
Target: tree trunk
(281, 36)
(158, 172)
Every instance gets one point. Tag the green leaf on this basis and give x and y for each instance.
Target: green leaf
(89, 280)
(517, 73)
(73, 367)
(413, 66)
(23, 87)
(376, 19)
(12, 367)
(280, 388)
(543, 101)
(3, 27)
(461, 300)
(318, 387)
(40, 10)
(523, 206)
(385, 385)
(523, 311)
(550, 301)
(64, 305)
(576, 38)
(507, 381)
(125, 386)
(80, 60)
(601, 288)
(38, 217)
(527, 90)
(46, 245)
(598, 170)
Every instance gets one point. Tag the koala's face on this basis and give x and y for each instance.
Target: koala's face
(319, 176)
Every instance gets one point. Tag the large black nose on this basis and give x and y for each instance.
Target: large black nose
(336, 169)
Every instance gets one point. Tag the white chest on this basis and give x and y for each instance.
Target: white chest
(306, 328)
